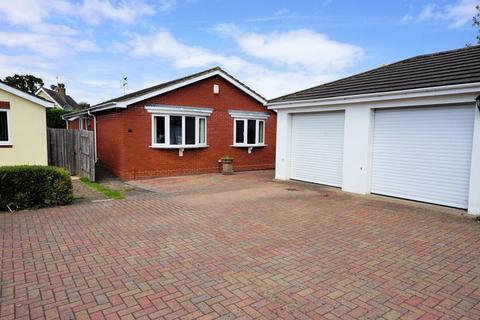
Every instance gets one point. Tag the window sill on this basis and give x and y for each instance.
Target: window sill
(179, 146)
(248, 145)
(6, 145)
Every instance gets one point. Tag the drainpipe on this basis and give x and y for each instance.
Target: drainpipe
(94, 133)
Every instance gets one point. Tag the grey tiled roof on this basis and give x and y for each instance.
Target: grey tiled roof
(66, 102)
(168, 84)
(459, 66)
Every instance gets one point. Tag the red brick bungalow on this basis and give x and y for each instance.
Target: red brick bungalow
(182, 126)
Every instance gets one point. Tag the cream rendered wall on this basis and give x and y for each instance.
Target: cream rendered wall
(44, 96)
(28, 127)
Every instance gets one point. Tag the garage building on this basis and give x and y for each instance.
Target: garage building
(410, 130)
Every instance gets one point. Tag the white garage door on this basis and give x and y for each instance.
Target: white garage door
(317, 147)
(423, 154)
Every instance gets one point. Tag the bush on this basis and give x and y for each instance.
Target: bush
(54, 118)
(25, 187)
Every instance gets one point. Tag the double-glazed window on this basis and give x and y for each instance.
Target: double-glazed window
(249, 132)
(4, 127)
(179, 130)
(84, 123)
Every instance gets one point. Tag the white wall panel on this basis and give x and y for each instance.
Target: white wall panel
(317, 147)
(423, 154)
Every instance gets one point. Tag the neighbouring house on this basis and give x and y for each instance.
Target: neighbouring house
(23, 128)
(59, 97)
(183, 126)
(410, 130)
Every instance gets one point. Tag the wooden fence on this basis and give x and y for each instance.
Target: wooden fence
(73, 150)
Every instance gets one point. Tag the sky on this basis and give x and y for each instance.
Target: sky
(275, 47)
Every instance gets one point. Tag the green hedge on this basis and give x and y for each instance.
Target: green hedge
(54, 118)
(25, 187)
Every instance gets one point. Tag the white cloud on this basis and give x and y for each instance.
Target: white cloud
(22, 63)
(407, 18)
(32, 13)
(45, 37)
(45, 45)
(280, 72)
(456, 15)
(94, 11)
(166, 5)
(35, 33)
(42, 37)
(162, 44)
(296, 48)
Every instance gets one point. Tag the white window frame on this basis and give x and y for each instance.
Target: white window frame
(183, 145)
(84, 123)
(166, 112)
(258, 117)
(9, 129)
(245, 133)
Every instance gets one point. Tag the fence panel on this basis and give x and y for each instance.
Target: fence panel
(73, 150)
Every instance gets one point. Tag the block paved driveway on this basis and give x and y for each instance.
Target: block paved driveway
(242, 246)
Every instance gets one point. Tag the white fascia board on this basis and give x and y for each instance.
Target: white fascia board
(445, 100)
(178, 110)
(248, 114)
(190, 81)
(381, 96)
(107, 106)
(74, 115)
(51, 98)
(241, 87)
(26, 96)
(111, 105)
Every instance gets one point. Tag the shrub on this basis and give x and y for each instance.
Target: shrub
(54, 118)
(25, 187)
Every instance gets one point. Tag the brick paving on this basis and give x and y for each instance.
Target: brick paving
(245, 248)
(82, 192)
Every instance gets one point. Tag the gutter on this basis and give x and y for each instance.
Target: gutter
(101, 107)
(94, 133)
(379, 96)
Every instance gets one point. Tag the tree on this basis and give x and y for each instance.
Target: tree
(54, 118)
(27, 83)
(84, 105)
(476, 22)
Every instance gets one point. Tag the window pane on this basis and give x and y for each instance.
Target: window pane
(175, 130)
(251, 131)
(189, 130)
(260, 131)
(160, 133)
(201, 130)
(3, 127)
(239, 132)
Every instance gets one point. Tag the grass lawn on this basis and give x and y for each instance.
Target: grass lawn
(107, 192)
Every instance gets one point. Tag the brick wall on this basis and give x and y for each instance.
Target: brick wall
(124, 137)
(74, 125)
(110, 138)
